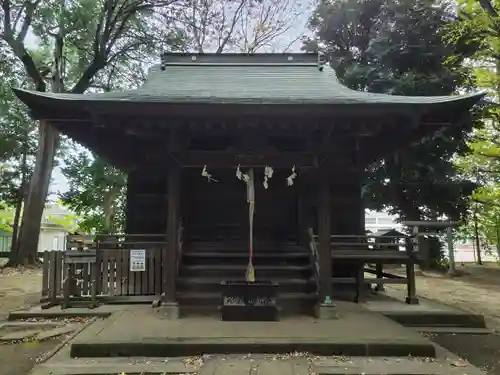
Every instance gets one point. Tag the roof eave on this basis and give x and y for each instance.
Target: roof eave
(46, 105)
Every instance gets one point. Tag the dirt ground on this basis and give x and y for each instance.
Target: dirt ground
(476, 290)
(19, 359)
(18, 290)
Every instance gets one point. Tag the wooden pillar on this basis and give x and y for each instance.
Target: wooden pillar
(411, 288)
(130, 220)
(302, 215)
(170, 251)
(325, 258)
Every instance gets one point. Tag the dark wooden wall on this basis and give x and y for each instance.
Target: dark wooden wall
(347, 215)
(219, 210)
(347, 208)
(146, 201)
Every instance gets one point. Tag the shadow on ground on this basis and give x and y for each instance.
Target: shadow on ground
(482, 351)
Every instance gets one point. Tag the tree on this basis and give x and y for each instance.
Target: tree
(237, 25)
(398, 47)
(6, 217)
(17, 144)
(478, 28)
(96, 193)
(96, 35)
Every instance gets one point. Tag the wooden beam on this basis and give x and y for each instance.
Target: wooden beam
(251, 111)
(430, 224)
(325, 259)
(225, 159)
(170, 251)
(117, 149)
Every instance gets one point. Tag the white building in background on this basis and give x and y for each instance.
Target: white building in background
(53, 232)
(375, 221)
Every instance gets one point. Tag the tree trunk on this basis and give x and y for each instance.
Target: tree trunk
(48, 142)
(497, 229)
(37, 194)
(14, 246)
(108, 200)
(476, 238)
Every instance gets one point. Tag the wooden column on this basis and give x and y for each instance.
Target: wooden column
(411, 288)
(130, 220)
(325, 258)
(302, 215)
(170, 251)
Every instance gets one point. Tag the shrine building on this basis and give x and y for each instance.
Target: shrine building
(199, 119)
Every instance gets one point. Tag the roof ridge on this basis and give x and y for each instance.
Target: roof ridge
(240, 59)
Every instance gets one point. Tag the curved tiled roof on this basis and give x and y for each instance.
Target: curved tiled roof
(243, 79)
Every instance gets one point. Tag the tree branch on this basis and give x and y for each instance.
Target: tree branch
(488, 8)
(230, 32)
(17, 43)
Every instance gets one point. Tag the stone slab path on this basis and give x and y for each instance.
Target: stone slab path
(21, 332)
(293, 364)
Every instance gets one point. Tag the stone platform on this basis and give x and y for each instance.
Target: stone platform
(426, 314)
(143, 331)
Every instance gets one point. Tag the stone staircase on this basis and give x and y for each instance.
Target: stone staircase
(205, 265)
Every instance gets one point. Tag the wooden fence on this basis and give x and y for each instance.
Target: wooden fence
(114, 278)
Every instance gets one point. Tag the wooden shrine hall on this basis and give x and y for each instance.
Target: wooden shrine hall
(200, 119)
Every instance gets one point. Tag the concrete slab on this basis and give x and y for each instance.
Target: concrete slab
(108, 366)
(57, 313)
(255, 366)
(391, 366)
(54, 332)
(454, 330)
(427, 313)
(19, 335)
(356, 332)
(20, 325)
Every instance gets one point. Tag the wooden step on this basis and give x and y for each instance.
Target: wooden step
(237, 246)
(212, 284)
(232, 271)
(244, 255)
(241, 258)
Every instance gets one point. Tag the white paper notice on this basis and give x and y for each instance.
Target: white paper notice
(137, 260)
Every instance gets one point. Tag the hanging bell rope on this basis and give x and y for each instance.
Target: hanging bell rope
(250, 273)
(248, 178)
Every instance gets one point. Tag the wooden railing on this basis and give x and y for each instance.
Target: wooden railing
(314, 257)
(115, 280)
(374, 251)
